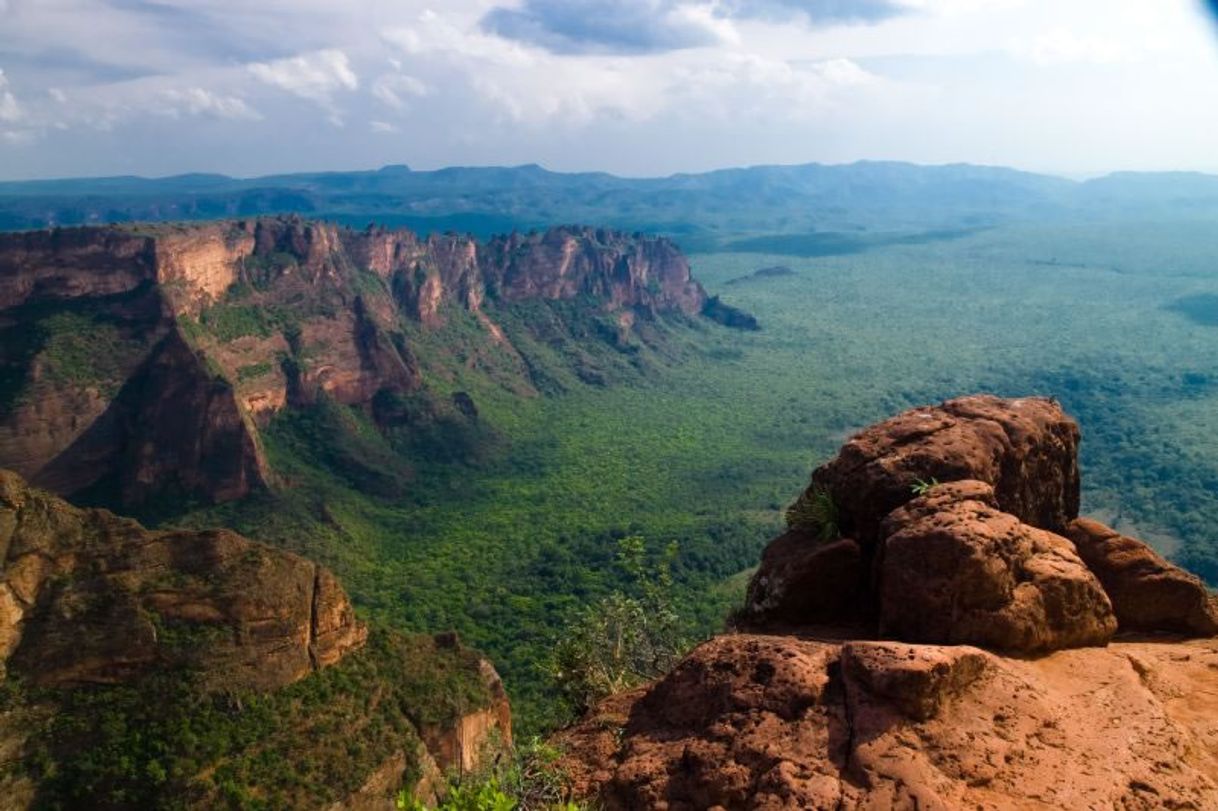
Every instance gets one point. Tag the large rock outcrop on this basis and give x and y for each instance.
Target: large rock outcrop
(955, 569)
(1027, 449)
(886, 679)
(1147, 592)
(139, 361)
(956, 525)
(88, 597)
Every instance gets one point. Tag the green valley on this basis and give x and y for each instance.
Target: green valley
(707, 445)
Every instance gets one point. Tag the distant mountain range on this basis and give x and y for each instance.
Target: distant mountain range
(702, 210)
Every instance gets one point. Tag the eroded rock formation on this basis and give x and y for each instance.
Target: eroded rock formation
(963, 531)
(139, 361)
(89, 597)
(955, 569)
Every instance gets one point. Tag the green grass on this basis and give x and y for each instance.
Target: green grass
(254, 371)
(228, 322)
(76, 346)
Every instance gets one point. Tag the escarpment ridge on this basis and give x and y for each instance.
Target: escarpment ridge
(138, 361)
(937, 629)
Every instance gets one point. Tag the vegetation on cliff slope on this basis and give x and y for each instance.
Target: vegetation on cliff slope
(161, 742)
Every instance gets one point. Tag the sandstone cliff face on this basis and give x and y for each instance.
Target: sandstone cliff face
(175, 426)
(140, 361)
(956, 651)
(457, 747)
(72, 263)
(609, 266)
(88, 597)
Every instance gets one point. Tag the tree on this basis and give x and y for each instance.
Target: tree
(625, 639)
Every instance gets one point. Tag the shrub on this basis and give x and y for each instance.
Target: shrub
(527, 778)
(815, 511)
(624, 639)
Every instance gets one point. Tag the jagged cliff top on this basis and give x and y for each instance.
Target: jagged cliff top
(122, 337)
(938, 629)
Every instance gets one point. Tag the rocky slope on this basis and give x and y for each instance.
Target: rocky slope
(141, 361)
(91, 603)
(938, 629)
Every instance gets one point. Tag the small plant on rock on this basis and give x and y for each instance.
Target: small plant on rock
(921, 487)
(815, 511)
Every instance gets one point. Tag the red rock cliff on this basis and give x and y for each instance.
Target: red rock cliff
(140, 360)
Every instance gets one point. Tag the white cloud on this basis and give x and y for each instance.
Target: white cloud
(843, 73)
(10, 110)
(197, 101)
(703, 19)
(526, 84)
(393, 89)
(317, 76)
(382, 127)
(1061, 45)
(432, 34)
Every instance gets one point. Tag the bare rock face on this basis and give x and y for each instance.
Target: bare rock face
(805, 578)
(705, 736)
(757, 722)
(918, 679)
(461, 746)
(1147, 592)
(617, 268)
(956, 570)
(1026, 449)
(88, 597)
(176, 426)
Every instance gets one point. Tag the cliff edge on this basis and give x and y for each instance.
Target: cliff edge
(140, 362)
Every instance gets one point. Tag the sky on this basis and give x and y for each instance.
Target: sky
(633, 87)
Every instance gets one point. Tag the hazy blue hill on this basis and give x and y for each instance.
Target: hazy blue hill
(704, 210)
(1158, 193)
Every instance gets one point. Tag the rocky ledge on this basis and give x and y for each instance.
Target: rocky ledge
(89, 597)
(938, 629)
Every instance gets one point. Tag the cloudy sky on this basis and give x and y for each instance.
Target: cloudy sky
(636, 87)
